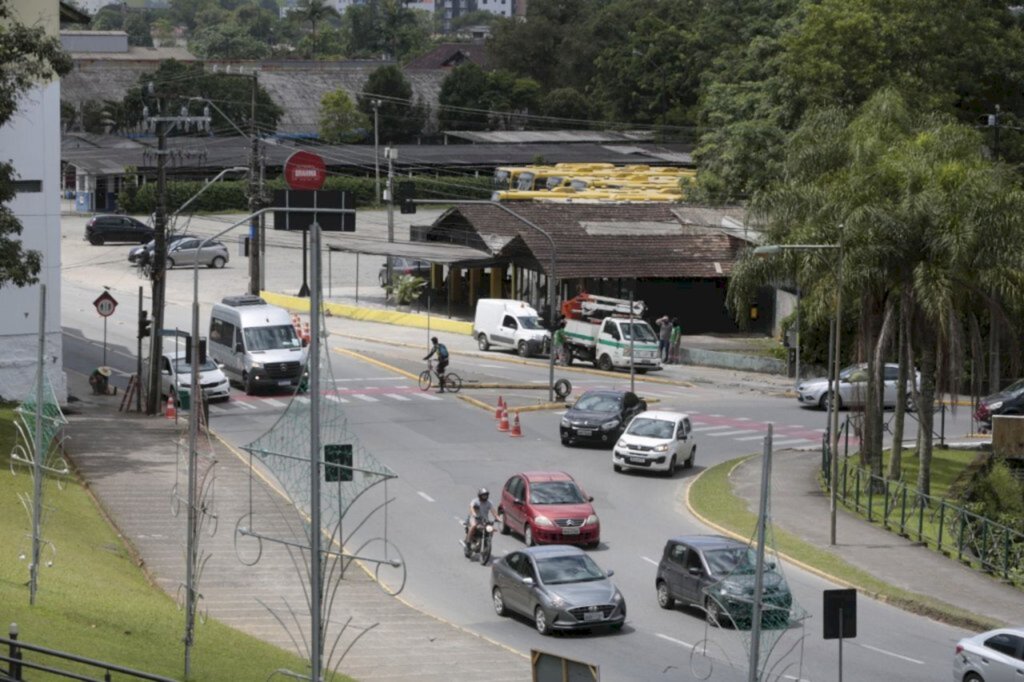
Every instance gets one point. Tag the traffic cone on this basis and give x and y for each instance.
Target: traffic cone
(171, 412)
(516, 432)
(501, 406)
(503, 423)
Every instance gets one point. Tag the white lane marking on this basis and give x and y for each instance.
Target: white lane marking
(367, 398)
(275, 402)
(218, 408)
(427, 396)
(245, 404)
(335, 398)
(302, 399)
(742, 419)
(396, 396)
(649, 560)
(752, 437)
(425, 496)
(890, 653)
(493, 366)
(730, 433)
(360, 379)
(705, 429)
(792, 441)
(716, 415)
(674, 640)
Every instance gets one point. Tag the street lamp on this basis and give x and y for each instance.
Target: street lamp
(833, 403)
(375, 103)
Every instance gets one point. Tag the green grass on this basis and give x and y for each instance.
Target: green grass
(711, 497)
(95, 601)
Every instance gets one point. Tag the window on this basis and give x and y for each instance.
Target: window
(891, 373)
(509, 321)
(693, 561)
(222, 332)
(677, 554)
(1007, 644)
(27, 186)
(611, 330)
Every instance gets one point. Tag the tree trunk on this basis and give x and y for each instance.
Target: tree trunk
(994, 329)
(874, 414)
(895, 470)
(926, 415)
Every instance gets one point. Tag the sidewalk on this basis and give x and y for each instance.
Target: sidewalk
(799, 507)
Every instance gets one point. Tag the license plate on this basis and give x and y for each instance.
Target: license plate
(585, 432)
(592, 615)
(284, 383)
(570, 531)
(636, 460)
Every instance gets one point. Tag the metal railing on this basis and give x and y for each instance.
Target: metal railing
(13, 664)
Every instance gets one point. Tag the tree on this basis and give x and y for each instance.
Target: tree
(472, 99)
(569, 105)
(39, 58)
(136, 25)
(227, 41)
(316, 12)
(340, 121)
(163, 29)
(399, 117)
(386, 28)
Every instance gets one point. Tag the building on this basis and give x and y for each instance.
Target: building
(31, 141)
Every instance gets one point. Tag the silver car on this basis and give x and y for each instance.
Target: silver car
(186, 252)
(558, 587)
(176, 378)
(853, 388)
(993, 656)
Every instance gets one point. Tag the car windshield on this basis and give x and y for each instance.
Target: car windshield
(641, 332)
(651, 428)
(1015, 387)
(555, 492)
(271, 338)
(731, 560)
(577, 568)
(530, 323)
(525, 181)
(598, 402)
(183, 367)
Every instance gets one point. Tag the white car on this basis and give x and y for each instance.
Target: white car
(853, 388)
(993, 656)
(655, 441)
(176, 377)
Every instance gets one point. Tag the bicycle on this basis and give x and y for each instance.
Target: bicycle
(429, 377)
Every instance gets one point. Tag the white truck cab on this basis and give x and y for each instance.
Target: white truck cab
(507, 323)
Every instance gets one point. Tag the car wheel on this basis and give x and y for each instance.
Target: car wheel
(218, 262)
(96, 241)
(499, 602)
(604, 363)
(671, 467)
(616, 468)
(481, 342)
(247, 384)
(505, 530)
(528, 535)
(523, 349)
(823, 402)
(828, 400)
(665, 599)
(170, 263)
(713, 612)
(540, 621)
(973, 677)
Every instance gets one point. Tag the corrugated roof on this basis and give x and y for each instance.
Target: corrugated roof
(535, 136)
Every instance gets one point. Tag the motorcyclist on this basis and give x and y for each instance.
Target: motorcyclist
(480, 508)
(442, 359)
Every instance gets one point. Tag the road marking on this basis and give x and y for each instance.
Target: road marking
(242, 403)
(752, 437)
(742, 419)
(705, 429)
(730, 433)
(218, 408)
(367, 398)
(649, 560)
(493, 366)
(335, 398)
(426, 497)
(720, 416)
(674, 640)
(302, 399)
(427, 396)
(890, 653)
(396, 396)
(274, 402)
(792, 441)
(361, 379)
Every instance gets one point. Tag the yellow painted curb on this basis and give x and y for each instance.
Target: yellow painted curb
(378, 363)
(394, 317)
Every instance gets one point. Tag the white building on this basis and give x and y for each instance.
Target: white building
(31, 141)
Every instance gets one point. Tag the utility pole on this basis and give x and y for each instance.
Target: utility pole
(157, 268)
(391, 154)
(376, 153)
(254, 197)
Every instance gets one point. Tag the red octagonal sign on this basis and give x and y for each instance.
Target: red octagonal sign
(305, 170)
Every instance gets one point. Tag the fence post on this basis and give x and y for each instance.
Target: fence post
(903, 513)
(845, 463)
(1006, 554)
(846, 438)
(984, 546)
(960, 538)
(871, 497)
(14, 653)
(885, 505)
(856, 488)
(942, 520)
(920, 518)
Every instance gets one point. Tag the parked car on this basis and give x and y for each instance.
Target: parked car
(187, 251)
(992, 656)
(716, 573)
(1010, 400)
(655, 441)
(135, 251)
(599, 416)
(116, 228)
(176, 378)
(548, 507)
(403, 266)
(558, 587)
(853, 388)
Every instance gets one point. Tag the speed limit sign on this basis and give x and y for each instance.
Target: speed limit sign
(105, 304)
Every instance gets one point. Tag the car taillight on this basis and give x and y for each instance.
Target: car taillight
(959, 649)
(982, 412)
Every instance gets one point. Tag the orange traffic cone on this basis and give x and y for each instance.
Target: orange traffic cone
(503, 423)
(516, 432)
(171, 412)
(501, 406)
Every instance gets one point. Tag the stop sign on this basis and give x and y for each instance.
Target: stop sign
(305, 170)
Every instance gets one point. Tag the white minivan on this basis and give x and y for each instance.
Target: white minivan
(256, 344)
(507, 323)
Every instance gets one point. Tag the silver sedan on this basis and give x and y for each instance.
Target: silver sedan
(993, 656)
(186, 252)
(853, 388)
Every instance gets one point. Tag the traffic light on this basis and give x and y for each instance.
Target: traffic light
(188, 350)
(144, 324)
(404, 196)
(337, 463)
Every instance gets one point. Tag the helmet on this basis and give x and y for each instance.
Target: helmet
(483, 493)
(433, 339)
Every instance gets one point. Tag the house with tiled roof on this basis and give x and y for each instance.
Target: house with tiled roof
(450, 55)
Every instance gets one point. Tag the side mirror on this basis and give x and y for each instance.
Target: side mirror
(693, 570)
(610, 572)
(239, 348)
(220, 365)
(517, 500)
(590, 498)
(528, 581)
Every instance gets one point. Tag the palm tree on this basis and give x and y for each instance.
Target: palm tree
(316, 11)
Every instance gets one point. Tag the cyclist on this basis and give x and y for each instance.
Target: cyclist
(480, 508)
(442, 359)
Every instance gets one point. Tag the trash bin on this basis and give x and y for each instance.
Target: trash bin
(791, 362)
(184, 399)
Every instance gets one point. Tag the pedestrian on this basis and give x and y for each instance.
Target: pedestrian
(558, 343)
(676, 339)
(664, 336)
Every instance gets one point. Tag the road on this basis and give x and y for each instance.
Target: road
(444, 448)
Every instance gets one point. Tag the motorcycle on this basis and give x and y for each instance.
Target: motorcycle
(480, 543)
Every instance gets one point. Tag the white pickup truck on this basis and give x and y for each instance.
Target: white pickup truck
(609, 341)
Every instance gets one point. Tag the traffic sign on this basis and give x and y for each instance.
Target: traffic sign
(105, 304)
(305, 170)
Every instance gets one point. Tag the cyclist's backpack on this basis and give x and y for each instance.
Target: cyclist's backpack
(442, 351)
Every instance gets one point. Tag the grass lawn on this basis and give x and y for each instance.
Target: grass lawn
(95, 602)
(711, 496)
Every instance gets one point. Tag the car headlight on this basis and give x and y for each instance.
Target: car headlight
(661, 448)
(566, 423)
(556, 600)
(608, 426)
(732, 588)
(257, 365)
(591, 520)
(995, 406)
(621, 444)
(617, 597)
(543, 521)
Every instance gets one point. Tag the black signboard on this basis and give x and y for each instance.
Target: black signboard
(321, 198)
(840, 618)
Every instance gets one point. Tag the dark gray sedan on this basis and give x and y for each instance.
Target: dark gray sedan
(600, 417)
(559, 587)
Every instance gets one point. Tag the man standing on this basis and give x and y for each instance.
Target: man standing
(664, 336)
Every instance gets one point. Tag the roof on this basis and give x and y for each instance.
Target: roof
(538, 551)
(535, 476)
(667, 415)
(450, 55)
(708, 541)
(657, 240)
(535, 136)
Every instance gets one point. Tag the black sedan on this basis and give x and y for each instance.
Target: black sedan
(600, 417)
(558, 587)
(1008, 401)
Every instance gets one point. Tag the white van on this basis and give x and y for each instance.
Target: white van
(255, 343)
(508, 323)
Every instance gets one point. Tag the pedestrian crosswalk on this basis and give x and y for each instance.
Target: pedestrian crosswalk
(367, 395)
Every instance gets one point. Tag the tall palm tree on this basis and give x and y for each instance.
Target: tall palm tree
(316, 11)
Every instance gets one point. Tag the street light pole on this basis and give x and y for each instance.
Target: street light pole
(375, 103)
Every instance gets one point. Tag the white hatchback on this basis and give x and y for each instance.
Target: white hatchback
(656, 441)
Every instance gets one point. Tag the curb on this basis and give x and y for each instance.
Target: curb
(371, 315)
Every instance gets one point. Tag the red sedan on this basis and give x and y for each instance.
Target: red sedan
(548, 507)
